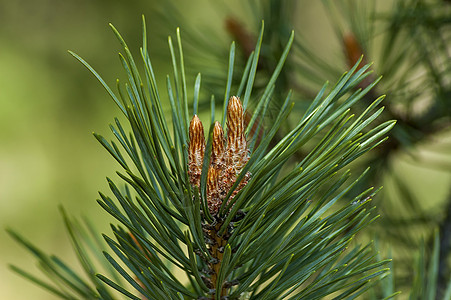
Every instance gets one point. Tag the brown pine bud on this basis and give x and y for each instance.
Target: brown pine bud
(226, 161)
(235, 124)
(218, 147)
(237, 152)
(213, 190)
(196, 150)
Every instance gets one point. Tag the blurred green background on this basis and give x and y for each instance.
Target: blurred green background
(50, 104)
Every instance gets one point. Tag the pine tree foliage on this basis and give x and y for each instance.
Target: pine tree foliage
(285, 234)
(408, 42)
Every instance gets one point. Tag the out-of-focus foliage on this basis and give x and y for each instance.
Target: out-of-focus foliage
(49, 107)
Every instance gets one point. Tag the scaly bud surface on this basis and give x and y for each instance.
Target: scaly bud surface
(235, 124)
(218, 148)
(237, 153)
(196, 150)
(226, 161)
(213, 190)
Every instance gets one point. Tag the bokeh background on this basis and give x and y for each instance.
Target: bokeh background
(50, 104)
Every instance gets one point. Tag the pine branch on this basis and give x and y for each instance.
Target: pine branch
(234, 215)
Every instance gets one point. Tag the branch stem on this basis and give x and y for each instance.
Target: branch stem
(216, 250)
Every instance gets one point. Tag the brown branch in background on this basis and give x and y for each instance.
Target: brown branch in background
(352, 49)
(243, 38)
(353, 52)
(146, 254)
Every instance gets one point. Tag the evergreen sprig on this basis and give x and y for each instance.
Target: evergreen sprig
(407, 40)
(285, 233)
